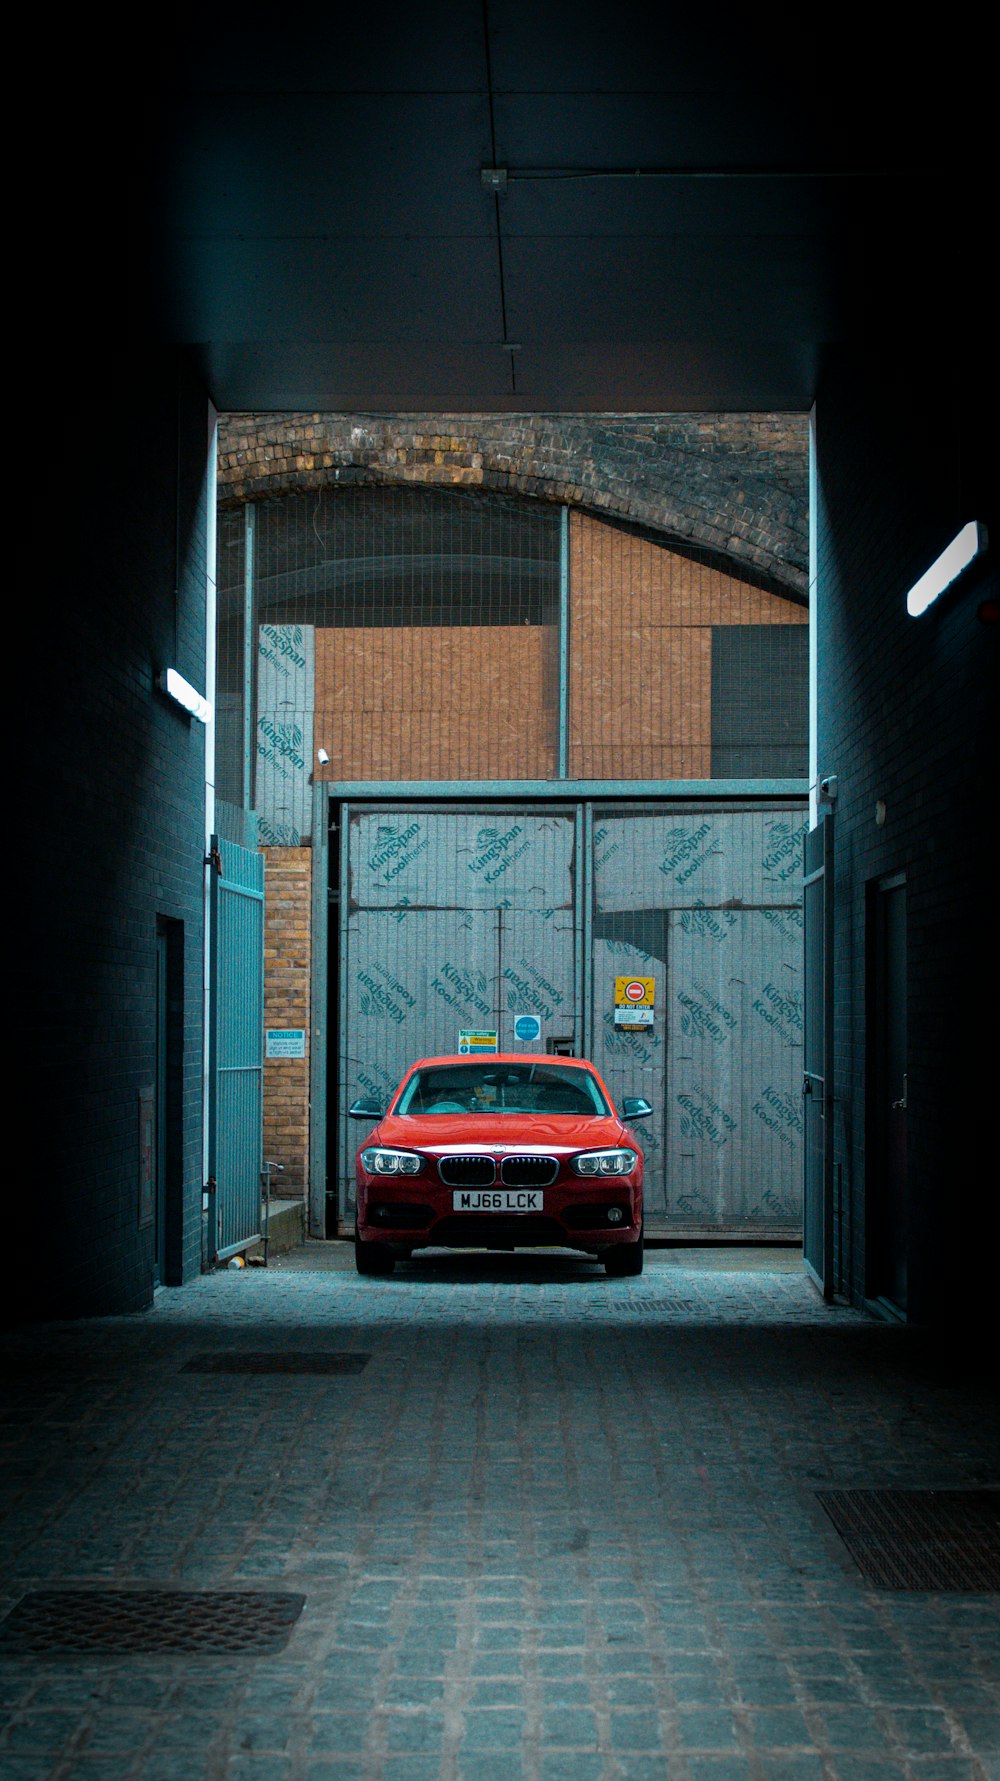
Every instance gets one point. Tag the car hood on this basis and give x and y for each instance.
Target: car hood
(438, 1134)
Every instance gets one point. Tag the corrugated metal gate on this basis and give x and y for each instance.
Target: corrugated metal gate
(463, 918)
(237, 1045)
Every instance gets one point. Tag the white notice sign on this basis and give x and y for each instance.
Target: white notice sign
(285, 1042)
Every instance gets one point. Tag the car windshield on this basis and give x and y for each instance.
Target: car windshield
(503, 1088)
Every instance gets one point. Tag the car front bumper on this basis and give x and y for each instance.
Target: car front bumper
(418, 1213)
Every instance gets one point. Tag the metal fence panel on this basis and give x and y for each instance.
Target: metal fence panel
(633, 1063)
(733, 1067)
(468, 918)
(414, 978)
(456, 920)
(708, 902)
(537, 975)
(461, 860)
(238, 1018)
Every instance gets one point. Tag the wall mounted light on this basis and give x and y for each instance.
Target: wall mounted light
(185, 695)
(963, 550)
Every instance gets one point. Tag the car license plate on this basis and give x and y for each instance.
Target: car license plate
(497, 1199)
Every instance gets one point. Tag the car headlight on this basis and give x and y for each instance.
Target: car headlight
(378, 1161)
(604, 1162)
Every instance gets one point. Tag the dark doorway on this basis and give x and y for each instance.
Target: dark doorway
(887, 1219)
(167, 1130)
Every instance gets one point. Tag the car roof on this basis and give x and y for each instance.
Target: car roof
(506, 1057)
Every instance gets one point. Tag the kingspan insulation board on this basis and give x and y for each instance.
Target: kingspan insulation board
(455, 921)
(708, 902)
(284, 744)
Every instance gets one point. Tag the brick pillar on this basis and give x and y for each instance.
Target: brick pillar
(287, 936)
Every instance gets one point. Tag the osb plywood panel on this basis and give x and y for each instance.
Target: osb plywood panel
(479, 702)
(641, 621)
(436, 702)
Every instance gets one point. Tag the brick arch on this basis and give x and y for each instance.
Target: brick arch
(734, 487)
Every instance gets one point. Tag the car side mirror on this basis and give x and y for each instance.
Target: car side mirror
(367, 1107)
(636, 1107)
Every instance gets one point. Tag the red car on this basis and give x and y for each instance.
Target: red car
(500, 1152)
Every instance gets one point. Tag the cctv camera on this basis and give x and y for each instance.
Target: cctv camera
(322, 757)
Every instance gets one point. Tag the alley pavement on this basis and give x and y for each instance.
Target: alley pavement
(541, 1525)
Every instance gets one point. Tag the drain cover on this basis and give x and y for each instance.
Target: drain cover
(920, 1539)
(123, 1621)
(294, 1361)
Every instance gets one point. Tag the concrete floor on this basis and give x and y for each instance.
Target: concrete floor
(559, 1527)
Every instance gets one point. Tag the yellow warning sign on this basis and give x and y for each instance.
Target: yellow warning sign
(634, 998)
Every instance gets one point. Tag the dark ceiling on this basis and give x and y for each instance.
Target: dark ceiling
(694, 203)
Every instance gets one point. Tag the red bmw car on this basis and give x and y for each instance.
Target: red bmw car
(500, 1152)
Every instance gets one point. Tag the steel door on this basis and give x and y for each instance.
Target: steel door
(456, 920)
(463, 917)
(817, 1076)
(707, 901)
(886, 1196)
(237, 1045)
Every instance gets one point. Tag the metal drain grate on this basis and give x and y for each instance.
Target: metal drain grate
(294, 1361)
(920, 1539)
(126, 1621)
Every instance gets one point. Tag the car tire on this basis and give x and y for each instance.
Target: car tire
(625, 1261)
(372, 1258)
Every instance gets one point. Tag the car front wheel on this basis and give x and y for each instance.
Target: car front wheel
(625, 1260)
(372, 1258)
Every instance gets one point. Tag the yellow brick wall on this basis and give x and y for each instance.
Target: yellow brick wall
(287, 918)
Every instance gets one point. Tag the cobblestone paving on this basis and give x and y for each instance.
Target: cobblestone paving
(561, 1527)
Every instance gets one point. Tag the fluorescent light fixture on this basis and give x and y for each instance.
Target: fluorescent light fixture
(963, 550)
(185, 695)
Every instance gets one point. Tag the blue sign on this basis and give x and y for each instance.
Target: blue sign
(527, 1027)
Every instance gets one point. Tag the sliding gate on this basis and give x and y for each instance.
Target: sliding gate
(236, 1046)
(520, 922)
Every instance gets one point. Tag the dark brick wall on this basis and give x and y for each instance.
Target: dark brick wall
(114, 785)
(735, 486)
(908, 716)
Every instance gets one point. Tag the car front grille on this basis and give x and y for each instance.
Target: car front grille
(467, 1171)
(528, 1171)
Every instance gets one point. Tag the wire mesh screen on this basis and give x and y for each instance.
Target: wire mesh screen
(414, 634)
(646, 671)
(760, 694)
(231, 655)
(433, 622)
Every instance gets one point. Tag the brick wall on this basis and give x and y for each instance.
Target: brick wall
(287, 931)
(735, 486)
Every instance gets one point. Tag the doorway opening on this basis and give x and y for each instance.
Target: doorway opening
(168, 1136)
(886, 1184)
